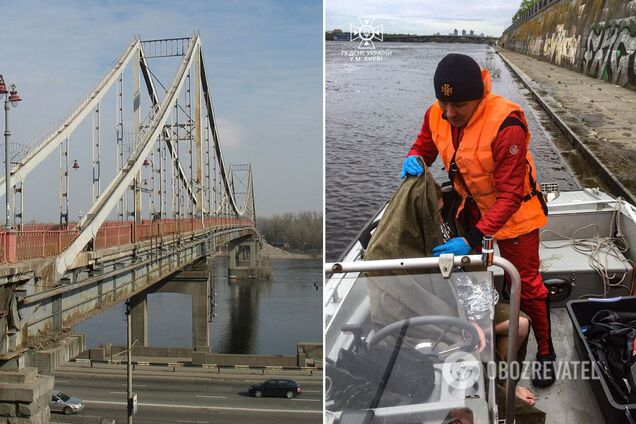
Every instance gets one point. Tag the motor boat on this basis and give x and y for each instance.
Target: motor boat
(432, 367)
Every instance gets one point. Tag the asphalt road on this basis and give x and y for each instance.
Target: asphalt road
(186, 399)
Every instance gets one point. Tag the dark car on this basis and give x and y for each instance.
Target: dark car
(286, 388)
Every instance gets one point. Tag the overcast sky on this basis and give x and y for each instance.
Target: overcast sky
(263, 61)
(424, 16)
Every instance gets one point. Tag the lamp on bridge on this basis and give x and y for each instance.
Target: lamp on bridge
(12, 98)
(144, 186)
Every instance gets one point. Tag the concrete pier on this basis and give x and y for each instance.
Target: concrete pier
(193, 280)
(246, 260)
(139, 318)
(597, 118)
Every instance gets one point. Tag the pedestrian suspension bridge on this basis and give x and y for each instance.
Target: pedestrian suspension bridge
(172, 204)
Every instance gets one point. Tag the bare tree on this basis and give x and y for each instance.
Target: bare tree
(298, 232)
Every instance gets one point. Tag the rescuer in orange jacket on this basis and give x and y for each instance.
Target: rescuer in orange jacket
(483, 140)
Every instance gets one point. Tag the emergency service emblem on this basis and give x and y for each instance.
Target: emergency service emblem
(447, 90)
(366, 33)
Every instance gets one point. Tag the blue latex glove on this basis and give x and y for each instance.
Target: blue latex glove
(411, 167)
(456, 246)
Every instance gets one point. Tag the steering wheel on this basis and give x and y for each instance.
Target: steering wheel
(445, 322)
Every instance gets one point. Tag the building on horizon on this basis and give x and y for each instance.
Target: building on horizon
(472, 33)
(463, 33)
(455, 32)
(339, 35)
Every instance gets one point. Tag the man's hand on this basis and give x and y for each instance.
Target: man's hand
(456, 246)
(411, 167)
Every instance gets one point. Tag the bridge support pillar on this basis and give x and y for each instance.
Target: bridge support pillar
(194, 280)
(247, 261)
(139, 318)
(200, 314)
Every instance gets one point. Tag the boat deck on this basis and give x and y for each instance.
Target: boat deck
(570, 400)
(574, 217)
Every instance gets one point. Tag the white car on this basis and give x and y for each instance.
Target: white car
(61, 402)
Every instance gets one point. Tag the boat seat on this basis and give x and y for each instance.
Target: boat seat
(569, 274)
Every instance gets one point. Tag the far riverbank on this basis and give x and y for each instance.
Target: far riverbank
(277, 253)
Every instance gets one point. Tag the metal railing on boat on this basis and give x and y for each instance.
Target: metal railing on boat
(445, 263)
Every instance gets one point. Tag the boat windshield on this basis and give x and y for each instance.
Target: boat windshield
(411, 348)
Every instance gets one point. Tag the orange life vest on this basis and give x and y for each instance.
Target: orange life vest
(475, 162)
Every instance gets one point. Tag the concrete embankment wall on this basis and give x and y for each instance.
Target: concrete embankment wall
(308, 354)
(74, 346)
(200, 358)
(49, 360)
(596, 38)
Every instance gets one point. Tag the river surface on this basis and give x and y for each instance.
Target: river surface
(252, 316)
(374, 111)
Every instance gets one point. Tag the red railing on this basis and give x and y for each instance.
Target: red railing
(44, 240)
(3, 243)
(32, 244)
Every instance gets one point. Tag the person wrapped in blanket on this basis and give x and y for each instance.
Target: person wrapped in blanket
(418, 201)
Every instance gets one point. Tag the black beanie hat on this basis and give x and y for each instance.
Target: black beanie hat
(458, 79)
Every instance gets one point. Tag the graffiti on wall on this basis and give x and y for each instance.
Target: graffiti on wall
(535, 47)
(610, 53)
(561, 46)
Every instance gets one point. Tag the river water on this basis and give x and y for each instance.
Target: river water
(252, 316)
(374, 111)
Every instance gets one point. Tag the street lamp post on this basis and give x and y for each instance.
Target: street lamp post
(11, 99)
(130, 396)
